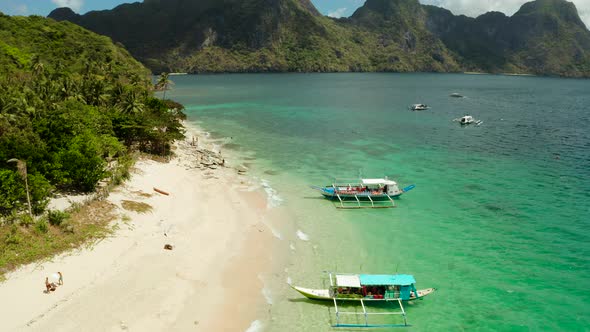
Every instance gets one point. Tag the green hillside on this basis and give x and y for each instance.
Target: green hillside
(72, 107)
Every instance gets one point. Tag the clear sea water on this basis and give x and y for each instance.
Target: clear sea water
(499, 221)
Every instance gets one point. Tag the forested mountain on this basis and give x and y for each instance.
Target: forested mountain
(544, 37)
(72, 107)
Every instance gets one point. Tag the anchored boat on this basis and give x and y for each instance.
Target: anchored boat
(468, 119)
(364, 193)
(419, 107)
(365, 288)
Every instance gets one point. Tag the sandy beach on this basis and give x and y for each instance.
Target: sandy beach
(210, 281)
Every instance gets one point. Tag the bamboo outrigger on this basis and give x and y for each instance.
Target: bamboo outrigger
(366, 288)
(363, 193)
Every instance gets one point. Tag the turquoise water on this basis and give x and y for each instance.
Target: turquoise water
(498, 222)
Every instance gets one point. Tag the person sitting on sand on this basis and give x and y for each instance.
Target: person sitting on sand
(50, 287)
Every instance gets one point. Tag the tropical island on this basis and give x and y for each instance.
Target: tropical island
(104, 185)
(545, 37)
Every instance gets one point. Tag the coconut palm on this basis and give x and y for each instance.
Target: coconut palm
(131, 104)
(164, 83)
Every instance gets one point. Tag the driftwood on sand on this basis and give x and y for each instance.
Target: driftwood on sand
(161, 191)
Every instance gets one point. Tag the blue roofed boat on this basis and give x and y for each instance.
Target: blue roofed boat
(366, 288)
(364, 193)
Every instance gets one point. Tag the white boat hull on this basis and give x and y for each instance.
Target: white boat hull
(324, 294)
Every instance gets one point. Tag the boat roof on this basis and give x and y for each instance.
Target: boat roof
(358, 280)
(348, 280)
(377, 181)
(387, 279)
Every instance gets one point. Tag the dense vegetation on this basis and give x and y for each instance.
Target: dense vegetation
(73, 107)
(544, 37)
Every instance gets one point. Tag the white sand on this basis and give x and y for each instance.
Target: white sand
(208, 282)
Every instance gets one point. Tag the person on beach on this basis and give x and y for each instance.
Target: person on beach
(61, 278)
(50, 287)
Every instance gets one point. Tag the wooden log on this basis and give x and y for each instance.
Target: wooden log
(161, 191)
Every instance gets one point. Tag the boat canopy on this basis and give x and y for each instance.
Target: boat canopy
(348, 280)
(387, 279)
(368, 182)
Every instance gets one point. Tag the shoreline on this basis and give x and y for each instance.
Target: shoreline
(220, 240)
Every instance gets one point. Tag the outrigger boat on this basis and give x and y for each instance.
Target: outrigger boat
(364, 193)
(419, 107)
(468, 119)
(365, 288)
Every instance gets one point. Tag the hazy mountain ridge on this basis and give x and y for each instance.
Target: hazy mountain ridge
(544, 37)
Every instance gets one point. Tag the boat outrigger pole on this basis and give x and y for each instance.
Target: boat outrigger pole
(408, 188)
(366, 314)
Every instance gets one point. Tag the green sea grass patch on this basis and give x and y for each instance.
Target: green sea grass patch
(86, 225)
(138, 207)
(141, 193)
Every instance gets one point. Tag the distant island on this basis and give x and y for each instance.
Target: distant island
(545, 37)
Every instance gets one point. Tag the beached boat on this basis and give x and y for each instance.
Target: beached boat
(468, 119)
(363, 193)
(365, 288)
(419, 107)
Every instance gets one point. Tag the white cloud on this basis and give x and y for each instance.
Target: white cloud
(337, 13)
(75, 5)
(474, 8)
(585, 14)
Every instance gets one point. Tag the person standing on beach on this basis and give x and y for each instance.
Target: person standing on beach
(61, 278)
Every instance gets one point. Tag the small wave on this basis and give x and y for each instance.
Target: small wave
(276, 233)
(251, 187)
(302, 236)
(267, 295)
(256, 326)
(272, 195)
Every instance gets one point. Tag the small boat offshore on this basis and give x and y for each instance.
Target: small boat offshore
(419, 107)
(467, 120)
(367, 288)
(363, 193)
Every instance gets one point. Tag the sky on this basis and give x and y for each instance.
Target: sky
(334, 8)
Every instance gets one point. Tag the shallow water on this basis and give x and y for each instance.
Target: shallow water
(498, 222)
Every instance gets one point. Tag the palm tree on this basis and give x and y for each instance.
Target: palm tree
(38, 67)
(130, 104)
(164, 83)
